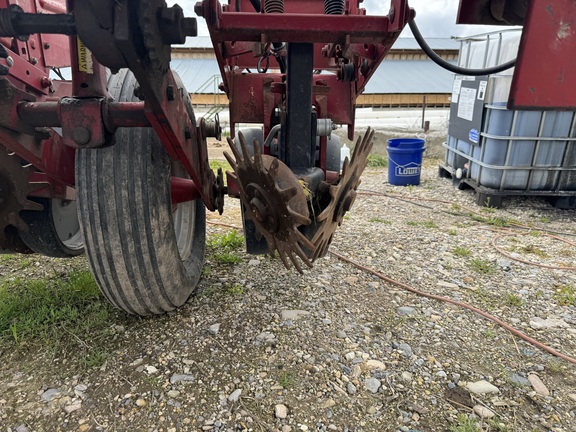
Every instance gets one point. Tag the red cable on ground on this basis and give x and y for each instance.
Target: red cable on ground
(480, 312)
(460, 304)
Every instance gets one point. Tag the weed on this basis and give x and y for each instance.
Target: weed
(455, 206)
(377, 161)
(429, 224)
(225, 246)
(227, 257)
(494, 221)
(235, 289)
(230, 240)
(465, 424)
(531, 249)
(513, 300)
(496, 425)
(555, 366)
(565, 295)
(452, 232)
(378, 220)
(425, 224)
(482, 266)
(286, 379)
(461, 251)
(544, 219)
(488, 209)
(95, 359)
(489, 333)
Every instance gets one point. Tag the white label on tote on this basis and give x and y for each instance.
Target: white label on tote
(466, 104)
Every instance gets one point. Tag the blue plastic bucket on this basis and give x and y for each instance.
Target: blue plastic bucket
(405, 161)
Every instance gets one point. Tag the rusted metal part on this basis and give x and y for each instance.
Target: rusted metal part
(114, 114)
(22, 70)
(544, 75)
(275, 201)
(14, 189)
(342, 195)
(82, 124)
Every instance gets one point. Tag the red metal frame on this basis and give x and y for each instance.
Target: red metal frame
(545, 71)
(338, 39)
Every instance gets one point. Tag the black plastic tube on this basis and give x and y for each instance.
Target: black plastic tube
(449, 66)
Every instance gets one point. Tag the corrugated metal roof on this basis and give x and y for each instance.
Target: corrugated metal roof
(393, 76)
(405, 43)
(410, 76)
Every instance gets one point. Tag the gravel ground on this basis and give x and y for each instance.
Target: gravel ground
(261, 348)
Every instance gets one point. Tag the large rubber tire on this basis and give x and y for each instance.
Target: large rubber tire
(146, 257)
(54, 231)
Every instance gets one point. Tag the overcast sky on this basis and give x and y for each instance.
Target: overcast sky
(435, 18)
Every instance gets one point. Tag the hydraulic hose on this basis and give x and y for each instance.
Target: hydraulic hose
(449, 66)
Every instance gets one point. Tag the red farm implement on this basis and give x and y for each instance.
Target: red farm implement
(114, 161)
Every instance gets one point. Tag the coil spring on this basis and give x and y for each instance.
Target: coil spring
(333, 7)
(274, 6)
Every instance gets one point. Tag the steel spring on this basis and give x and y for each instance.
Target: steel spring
(274, 6)
(333, 7)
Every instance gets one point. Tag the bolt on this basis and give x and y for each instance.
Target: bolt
(34, 60)
(170, 93)
(81, 135)
(45, 82)
(199, 9)
(32, 44)
(9, 61)
(46, 46)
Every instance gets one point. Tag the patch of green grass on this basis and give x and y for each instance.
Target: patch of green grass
(378, 220)
(565, 295)
(377, 161)
(225, 246)
(227, 257)
(483, 266)
(544, 219)
(230, 240)
(235, 289)
(452, 232)
(57, 313)
(461, 251)
(494, 221)
(286, 379)
(465, 424)
(425, 224)
(215, 164)
(513, 300)
(534, 250)
(489, 333)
